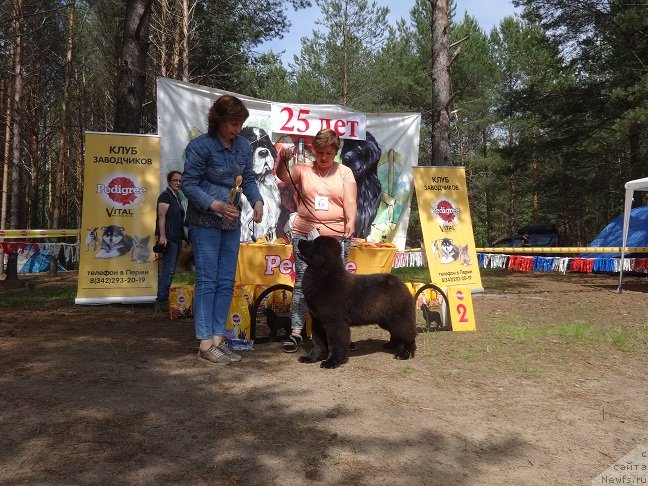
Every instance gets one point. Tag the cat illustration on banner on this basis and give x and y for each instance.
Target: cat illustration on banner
(141, 249)
(447, 251)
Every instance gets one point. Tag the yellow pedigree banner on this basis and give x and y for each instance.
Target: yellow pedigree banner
(442, 198)
(120, 190)
(272, 264)
(265, 264)
(364, 260)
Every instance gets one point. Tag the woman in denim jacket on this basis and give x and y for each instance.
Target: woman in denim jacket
(212, 164)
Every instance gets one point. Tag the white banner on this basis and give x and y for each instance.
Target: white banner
(381, 161)
(305, 120)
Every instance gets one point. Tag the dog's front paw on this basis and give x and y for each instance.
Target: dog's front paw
(391, 345)
(330, 364)
(404, 354)
(305, 359)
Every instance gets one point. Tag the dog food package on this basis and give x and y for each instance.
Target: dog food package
(238, 320)
(180, 301)
(429, 297)
(240, 344)
(246, 291)
(281, 300)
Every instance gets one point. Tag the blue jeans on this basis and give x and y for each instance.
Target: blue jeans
(169, 262)
(298, 307)
(215, 256)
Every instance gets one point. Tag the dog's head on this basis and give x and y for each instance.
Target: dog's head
(447, 246)
(322, 252)
(361, 156)
(92, 233)
(263, 150)
(112, 234)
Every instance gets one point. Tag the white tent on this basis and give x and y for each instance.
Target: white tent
(630, 187)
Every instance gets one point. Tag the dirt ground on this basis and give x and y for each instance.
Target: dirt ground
(550, 389)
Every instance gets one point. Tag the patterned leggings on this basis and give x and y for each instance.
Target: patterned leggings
(298, 308)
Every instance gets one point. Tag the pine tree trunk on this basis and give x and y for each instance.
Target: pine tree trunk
(131, 81)
(185, 40)
(63, 136)
(16, 202)
(440, 84)
(7, 143)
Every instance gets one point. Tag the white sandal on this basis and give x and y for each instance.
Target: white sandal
(291, 344)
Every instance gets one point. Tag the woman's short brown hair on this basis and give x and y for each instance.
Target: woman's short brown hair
(226, 107)
(171, 174)
(327, 137)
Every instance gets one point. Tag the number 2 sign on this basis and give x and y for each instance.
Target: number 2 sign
(307, 120)
(461, 308)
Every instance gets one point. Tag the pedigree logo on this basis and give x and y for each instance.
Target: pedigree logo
(276, 263)
(445, 211)
(121, 189)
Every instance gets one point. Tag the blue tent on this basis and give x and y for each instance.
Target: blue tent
(39, 262)
(612, 234)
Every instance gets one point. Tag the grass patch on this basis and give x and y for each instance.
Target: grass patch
(184, 278)
(577, 331)
(627, 340)
(630, 340)
(412, 274)
(34, 297)
(522, 333)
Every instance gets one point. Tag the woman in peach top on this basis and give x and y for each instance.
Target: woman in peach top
(327, 206)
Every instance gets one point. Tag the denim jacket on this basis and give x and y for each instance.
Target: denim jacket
(210, 172)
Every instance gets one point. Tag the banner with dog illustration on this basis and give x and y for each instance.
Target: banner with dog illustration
(381, 160)
(120, 191)
(442, 197)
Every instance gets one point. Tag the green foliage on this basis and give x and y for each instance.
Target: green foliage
(335, 64)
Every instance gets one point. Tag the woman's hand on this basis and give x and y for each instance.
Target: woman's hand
(349, 230)
(258, 211)
(229, 212)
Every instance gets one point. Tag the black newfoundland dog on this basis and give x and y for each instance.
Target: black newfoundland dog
(362, 157)
(338, 299)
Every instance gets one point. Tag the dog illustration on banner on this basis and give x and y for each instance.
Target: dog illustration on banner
(263, 160)
(447, 251)
(114, 242)
(362, 157)
(92, 239)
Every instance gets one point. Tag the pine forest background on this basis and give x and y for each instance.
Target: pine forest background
(548, 111)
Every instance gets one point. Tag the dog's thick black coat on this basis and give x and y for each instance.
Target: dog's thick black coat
(338, 299)
(277, 322)
(362, 157)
